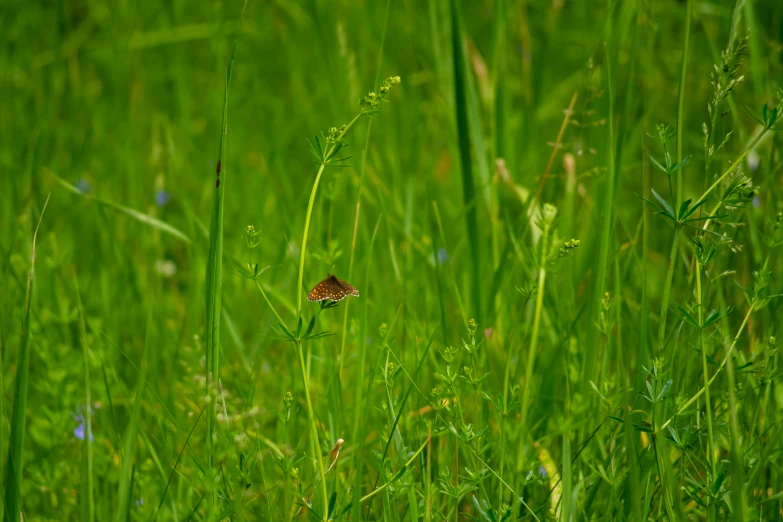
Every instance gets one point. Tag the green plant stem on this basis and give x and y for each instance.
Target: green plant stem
(350, 272)
(705, 374)
(715, 375)
(531, 356)
(313, 430)
(214, 289)
(503, 414)
(606, 239)
(303, 250)
(736, 457)
(667, 288)
(732, 166)
(15, 463)
(398, 474)
(263, 294)
(327, 151)
(88, 408)
(462, 100)
(502, 458)
(681, 98)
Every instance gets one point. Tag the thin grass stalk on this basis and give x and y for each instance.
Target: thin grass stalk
(361, 188)
(705, 374)
(556, 146)
(362, 398)
(394, 432)
(634, 487)
(733, 166)
(607, 225)
(176, 464)
(502, 135)
(428, 476)
(664, 477)
(314, 432)
(698, 394)
(738, 495)
(500, 108)
(214, 279)
(739, 511)
(667, 287)
(88, 403)
(350, 266)
(299, 291)
(464, 144)
(567, 473)
(531, 356)
(681, 98)
(503, 424)
(129, 440)
(268, 302)
(13, 477)
(644, 326)
(397, 475)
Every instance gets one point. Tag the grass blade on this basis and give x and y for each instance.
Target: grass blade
(214, 276)
(135, 214)
(131, 430)
(404, 400)
(90, 500)
(174, 469)
(464, 142)
(681, 97)
(13, 479)
(606, 239)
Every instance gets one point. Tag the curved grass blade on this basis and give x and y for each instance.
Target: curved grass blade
(135, 214)
(13, 479)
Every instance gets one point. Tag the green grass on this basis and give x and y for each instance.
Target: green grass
(564, 222)
(13, 484)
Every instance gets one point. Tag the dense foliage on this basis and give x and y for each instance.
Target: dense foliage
(563, 220)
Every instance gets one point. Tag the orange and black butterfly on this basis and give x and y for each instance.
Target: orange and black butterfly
(332, 288)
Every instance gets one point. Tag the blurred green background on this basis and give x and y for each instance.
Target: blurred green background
(122, 100)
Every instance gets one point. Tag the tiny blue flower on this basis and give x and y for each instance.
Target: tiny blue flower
(161, 197)
(79, 430)
(756, 202)
(82, 185)
(443, 256)
(139, 501)
(542, 470)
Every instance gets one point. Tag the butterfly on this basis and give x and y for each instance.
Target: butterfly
(332, 288)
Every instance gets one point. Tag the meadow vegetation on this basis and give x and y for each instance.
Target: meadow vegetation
(564, 220)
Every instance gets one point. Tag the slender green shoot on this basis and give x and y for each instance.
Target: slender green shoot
(15, 464)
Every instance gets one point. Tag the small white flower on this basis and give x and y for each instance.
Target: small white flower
(166, 268)
(753, 160)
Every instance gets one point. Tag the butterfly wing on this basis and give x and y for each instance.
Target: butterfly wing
(321, 291)
(348, 288)
(332, 288)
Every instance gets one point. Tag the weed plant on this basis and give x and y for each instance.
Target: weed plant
(564, 221)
